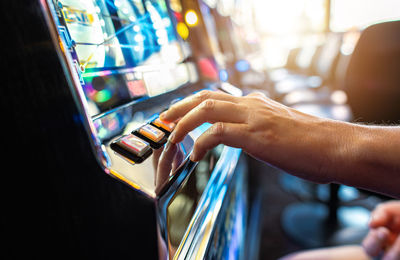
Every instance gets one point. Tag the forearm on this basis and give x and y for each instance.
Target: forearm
(366, 157)
(312, 148)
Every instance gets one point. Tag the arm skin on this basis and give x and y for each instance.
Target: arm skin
(316, 149)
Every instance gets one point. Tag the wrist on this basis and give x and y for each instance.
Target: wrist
(364, 157)
(339, 146)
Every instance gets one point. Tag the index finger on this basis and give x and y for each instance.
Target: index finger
(182, 107)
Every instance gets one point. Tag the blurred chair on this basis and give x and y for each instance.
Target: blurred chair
(372, 84)
(290, 67)
(373, 76)
(300, 62)
(320, 71)
(331, 90)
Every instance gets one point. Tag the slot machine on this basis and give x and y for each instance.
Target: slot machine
(87, 81)
(231, 25)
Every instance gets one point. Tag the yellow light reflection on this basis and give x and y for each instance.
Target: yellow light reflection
(191, 18)
(182, 30)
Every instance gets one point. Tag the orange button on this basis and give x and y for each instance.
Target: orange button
(152, 133)
(134, 145)
(164, 125)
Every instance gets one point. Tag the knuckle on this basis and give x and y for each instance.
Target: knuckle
(255, 100)
(259, 94)
(251, 128)
(218, 129)
(207, 104)
(203, 95)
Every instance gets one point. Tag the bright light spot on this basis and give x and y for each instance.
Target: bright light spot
(175, 6)
(183, 30)
(339, 97)
(139, 38)
(223, 75)
(136, 28)
(191, 18)
(161, 33)
(103, 95)
(161, 41)
(167, 22)
(242, 65)
(341, 112)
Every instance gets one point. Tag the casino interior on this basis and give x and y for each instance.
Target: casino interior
(95, 178)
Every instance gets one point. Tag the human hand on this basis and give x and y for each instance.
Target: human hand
(267, 130)
(384, 236)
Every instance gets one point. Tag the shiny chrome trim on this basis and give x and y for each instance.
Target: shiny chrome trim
(199, 231)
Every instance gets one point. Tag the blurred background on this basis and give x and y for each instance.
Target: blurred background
(288, 24)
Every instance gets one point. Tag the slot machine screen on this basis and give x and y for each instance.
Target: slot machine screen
(122, 50)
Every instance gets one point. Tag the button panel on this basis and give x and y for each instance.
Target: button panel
(164, 126)
(154, 136)
(152, 133)
(137, 146)
(132, 147)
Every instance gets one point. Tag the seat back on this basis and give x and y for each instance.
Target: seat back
(372, 80)
(325, 65)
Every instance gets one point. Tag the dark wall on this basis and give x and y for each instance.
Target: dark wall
(56, 201)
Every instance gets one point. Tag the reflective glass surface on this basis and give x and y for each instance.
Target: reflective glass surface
(182, 206)
(122, 49)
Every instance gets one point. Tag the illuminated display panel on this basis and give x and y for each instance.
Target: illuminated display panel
(121, 49)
